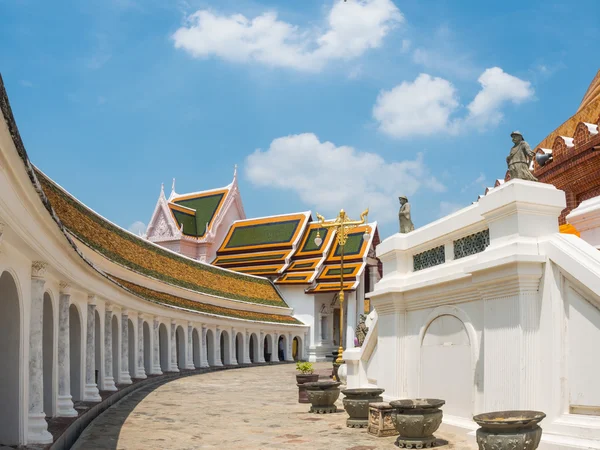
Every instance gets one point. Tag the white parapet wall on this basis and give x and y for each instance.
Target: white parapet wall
(491, 308)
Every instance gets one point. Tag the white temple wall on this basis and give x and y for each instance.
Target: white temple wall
(511, 326)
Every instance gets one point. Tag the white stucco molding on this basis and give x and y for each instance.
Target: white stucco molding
(388, 303)
(586, 219)
(38, 269)
(506, 276)
(522, 208)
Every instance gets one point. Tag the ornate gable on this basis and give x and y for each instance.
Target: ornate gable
(162, 226)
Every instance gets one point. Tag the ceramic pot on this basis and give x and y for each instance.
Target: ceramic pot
(356, 404)
(518, 430)
(302, 378)
(322, 396)
(416, 420)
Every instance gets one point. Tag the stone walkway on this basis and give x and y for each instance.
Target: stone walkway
(250, 408)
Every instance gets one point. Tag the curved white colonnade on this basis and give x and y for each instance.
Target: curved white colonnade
(68, 330)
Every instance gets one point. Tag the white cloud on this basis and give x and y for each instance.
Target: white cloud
(419, 108)
(429, 105)
(447, 208)
(138, 228)
(406, 44)
(327, 177)
(352, 28)
(497, 88)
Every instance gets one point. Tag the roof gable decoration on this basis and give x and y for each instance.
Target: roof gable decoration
(233, 200)
(162, 225)
(199, 214)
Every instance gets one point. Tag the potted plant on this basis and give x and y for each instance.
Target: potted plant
(306, 375)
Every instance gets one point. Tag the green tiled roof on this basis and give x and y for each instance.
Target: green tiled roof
(188, 221)
(268, 233)
(205, 208)
(353, 245)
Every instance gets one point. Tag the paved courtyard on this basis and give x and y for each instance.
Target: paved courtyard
(250, 408)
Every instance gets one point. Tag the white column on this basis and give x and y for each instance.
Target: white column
(156, 369)
(109, 380)
(140, 371)
(246, 352)
(275, 350)
(203, 349)
(350, 319)
(64, 401)
(189, 363)
(37, 431)
(90, 391)
(288, 353)
(125, 377)
(173, 366)
(218, 362)
(232, 346)
(261, 347)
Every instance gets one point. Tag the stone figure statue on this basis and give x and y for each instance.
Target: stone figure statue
(361, 331)
(406, 225)
(519, 159)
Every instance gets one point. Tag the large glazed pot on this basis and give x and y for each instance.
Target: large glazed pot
(301, 379)
(322, 396)
(416, 420)
(356, 405)
(514, 430)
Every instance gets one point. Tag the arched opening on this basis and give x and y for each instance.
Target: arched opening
(281, 348)
(116, 345)
(253, 348)
(75, 352)
(48, 355)
(225, 348)
(147, 349)
(297, 348)
(210, 347)
(180, 347)
(163, 347)
(446, 344)
(196, 347)
(10, 386)
(268, 348)
(239, 348)
(97, 347)
(131, 348)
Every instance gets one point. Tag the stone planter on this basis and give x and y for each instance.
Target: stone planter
(356, 405)
(322, 396)
(518, 430)
(416, 420)
(302, 378)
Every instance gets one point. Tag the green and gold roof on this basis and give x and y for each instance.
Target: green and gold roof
(195, 213)
(283, 247)
(356, 250)
(150, 260)
(262, 246)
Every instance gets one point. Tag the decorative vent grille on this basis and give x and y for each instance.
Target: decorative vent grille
(469, 245)
(429, 258)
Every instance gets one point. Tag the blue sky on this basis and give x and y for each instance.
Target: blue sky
(322, 104)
